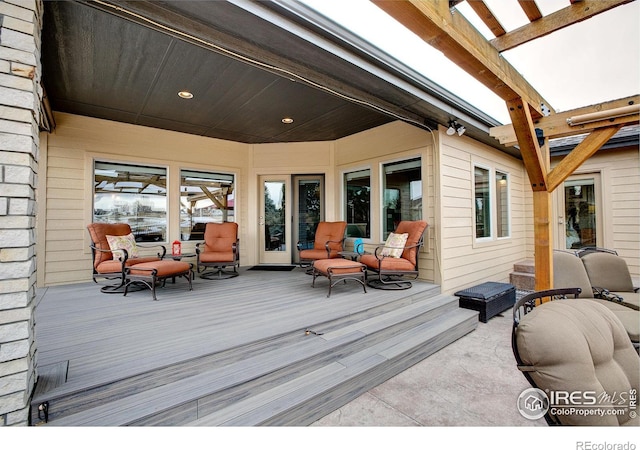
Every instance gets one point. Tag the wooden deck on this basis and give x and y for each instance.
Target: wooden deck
(230, 352)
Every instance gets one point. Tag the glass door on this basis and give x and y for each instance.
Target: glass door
(580, 212)
(275, 220)
(308, 209)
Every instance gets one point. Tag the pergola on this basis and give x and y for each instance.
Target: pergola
(534, 120)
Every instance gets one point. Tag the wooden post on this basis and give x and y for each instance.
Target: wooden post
(543, 238)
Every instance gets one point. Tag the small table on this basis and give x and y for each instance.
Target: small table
(179, 257)
(353, 256)
(489, 298)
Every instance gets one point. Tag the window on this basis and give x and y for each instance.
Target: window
(204, 197)
(482, 203)
(132, 194)
(502, 204)
(402, 187)
(491, 203)
(358, 203)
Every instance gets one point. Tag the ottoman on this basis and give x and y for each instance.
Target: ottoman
(339, 269)
(151, 273)
(489, 298)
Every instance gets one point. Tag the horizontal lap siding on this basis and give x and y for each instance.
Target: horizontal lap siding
(620, 182)
(64, 254)
(464, 262)
(391, 142)
(65, 257)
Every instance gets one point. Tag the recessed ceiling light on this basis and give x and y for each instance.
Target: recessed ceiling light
(287, 120)
(185, 94)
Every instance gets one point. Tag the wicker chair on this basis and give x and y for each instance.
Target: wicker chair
(106, 266)
(327, 243)
(392, 271)
(221, 249)
(573, 346)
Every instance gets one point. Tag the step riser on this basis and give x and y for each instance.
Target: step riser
(73, 403)
(211, 403)
(317, 408)
(348, 341)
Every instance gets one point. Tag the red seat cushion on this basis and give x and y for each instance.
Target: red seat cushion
(165, 268)
(337, 266)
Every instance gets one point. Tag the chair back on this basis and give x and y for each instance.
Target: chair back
(415, 229)
(99, 232)
(608, 271)
(573, 345)
(220, 237)
(568, 272)
(330, 231)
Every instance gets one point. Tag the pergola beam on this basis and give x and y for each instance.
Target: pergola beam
(556, 125)
(452, 34)
(583, 151)
(485, 14)
(565, 17)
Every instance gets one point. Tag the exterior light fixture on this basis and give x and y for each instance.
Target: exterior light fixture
(185, 94)
(455, 127)
(287, 120)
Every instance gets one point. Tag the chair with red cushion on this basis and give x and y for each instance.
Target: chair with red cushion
(110, 266)
(390, 270)
(221, 249)
(327, 242)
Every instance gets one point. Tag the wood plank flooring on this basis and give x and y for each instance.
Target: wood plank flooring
(110, 339)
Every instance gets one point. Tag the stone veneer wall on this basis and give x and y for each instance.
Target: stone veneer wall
(20, 99)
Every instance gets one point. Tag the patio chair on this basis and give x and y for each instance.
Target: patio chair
(393, 261)
(610, 278)
(220, 249)
(569, 271)
(109, 263)
(327, 243)
(572, 346)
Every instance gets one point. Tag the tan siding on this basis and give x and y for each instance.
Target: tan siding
(391, 142)
(465, 262)
(68, 197)
(620, 185)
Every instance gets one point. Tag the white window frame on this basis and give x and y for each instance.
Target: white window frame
(493, 210)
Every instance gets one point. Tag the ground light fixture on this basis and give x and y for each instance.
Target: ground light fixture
(287, 120)
(185, 94)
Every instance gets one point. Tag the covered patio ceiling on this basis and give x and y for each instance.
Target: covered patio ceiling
(248, 65)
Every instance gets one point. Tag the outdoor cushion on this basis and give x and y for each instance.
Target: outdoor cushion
(608, 271)
(126, 242)
(220, 238)
(394, 245)
(575, 345)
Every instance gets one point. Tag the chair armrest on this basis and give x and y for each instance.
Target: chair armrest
(382, 246)
(326, 245)
(161, 255)
(123, 259)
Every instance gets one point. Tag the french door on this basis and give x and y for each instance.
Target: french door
(290, 209)
(580, 212)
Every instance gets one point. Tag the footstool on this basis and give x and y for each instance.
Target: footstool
(339, 269)
(489, 299)
(151, 273)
